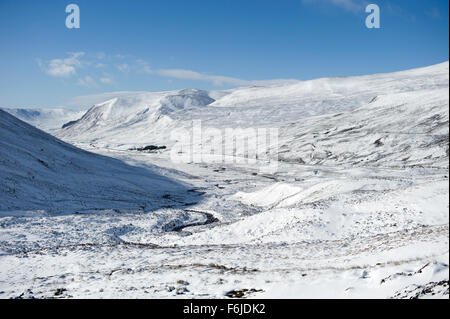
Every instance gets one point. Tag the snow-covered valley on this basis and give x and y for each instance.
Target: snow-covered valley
(357, 206)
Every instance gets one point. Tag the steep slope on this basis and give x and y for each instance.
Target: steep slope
(134, 118)
(40, 172)
(48, 120)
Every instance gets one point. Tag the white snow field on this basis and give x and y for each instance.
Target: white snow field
(356, 208)
(48, 120)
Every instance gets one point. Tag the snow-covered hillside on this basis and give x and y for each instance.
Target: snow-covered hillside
(148, 118)
(393, 130)
(48, 120)
(357, 207)
(142, 116)
(40, 172)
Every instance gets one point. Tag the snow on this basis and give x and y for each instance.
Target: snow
(43, 173)
(143, 115)
(358, 206)
(268, 196)
(48, 120)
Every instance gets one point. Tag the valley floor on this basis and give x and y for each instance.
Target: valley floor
(303, 232)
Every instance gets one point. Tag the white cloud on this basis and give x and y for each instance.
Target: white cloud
(124, 67)
(354, 6)
(106, 80)
(349, 5)
(143, 66)
(101, 72)
(217, 80)
(62, 67)
(190, 75)
(86, 81)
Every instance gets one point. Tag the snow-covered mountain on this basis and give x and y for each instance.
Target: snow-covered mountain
(40, 172)
(148, 118)
(356, 208)
(48, 120)
(141, 116)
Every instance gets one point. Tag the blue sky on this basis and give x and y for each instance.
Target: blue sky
(145, 45)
